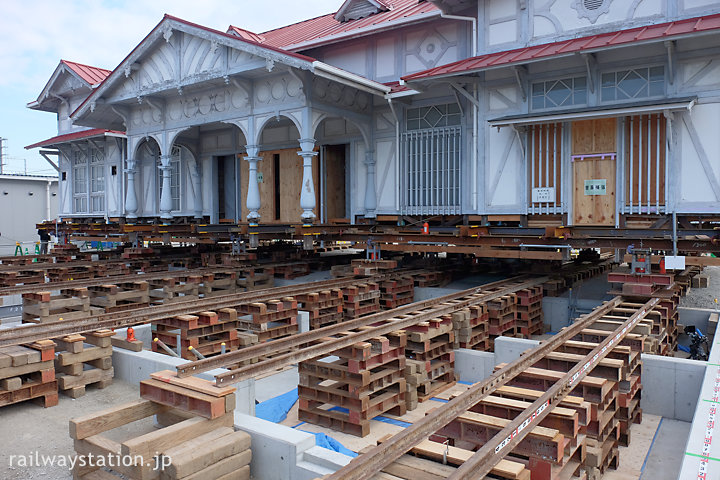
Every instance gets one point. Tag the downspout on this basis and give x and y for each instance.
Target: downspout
(47, 200)
(397, 151)
(476, 112)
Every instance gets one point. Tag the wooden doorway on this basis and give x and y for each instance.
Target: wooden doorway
(332, 185)
(226, 181)
(594, 152)
(280, 174)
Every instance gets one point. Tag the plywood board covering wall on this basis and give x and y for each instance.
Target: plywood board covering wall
(288, 184)
(594, 138)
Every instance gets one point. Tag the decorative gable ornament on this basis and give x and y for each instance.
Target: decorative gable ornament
(355, 9)
(591, 9)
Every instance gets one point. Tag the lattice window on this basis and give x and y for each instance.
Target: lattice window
(545, 175)
(431, 160)
(80, 182)
(633, 84)
(97, 180)
(433, 116)
(645, 164)
(559, 93)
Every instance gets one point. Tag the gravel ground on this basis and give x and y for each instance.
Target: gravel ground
(28, 428)
(704, 297)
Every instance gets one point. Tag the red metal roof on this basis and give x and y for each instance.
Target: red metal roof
(92, 75)
(94, 132)
(317, 30)
(575, 45)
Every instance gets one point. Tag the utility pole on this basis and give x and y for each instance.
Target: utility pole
(2, 154)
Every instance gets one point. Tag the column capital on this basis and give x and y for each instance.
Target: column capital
(370, 157)
(307, 144)
(252, 150)
(165, 160)
(252, 159)
(307, 153)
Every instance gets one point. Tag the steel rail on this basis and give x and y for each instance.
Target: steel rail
(302, 339)
(378, 457)
(413, 313)
(490, 454)
(39, 331)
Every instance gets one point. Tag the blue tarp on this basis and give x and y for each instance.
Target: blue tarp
(322, 440)
(277, 408)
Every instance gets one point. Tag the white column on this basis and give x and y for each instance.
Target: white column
(195, 174)
(307, 191)
(253, 192)
(370, 194)
(131, 204)
(166, 194)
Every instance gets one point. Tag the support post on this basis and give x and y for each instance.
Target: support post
(307, 191)
(195, 174)
(370, 193)
(166, 193)
(253, 192)
(131, 204)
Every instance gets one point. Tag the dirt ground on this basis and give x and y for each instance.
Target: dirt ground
(704, 297)
(26, 428)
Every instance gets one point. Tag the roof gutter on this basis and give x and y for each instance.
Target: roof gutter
(615, 112)
(350, 79)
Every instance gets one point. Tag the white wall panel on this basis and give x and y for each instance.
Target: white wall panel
(699, 167)
(386, 179)
(503, 169)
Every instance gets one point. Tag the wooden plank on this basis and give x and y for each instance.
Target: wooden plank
(192, 383)
(87, 377)
(150, 444)
(67, 358)
(104, 420)
(25, 369)
(202, 452)
(178, 397)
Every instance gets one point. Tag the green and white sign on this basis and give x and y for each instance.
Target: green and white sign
(596, 187)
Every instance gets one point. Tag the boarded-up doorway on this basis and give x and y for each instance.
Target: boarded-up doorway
(280, 174)
(594, 151)
(333, 182)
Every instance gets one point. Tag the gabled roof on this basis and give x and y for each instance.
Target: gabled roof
(354, 9)
(327, 29)
(69, 137)
(91, 75)
(86, 75)
(519, 56)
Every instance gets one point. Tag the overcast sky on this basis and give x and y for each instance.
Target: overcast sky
(36, 34)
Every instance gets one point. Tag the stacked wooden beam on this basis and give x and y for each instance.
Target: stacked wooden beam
(529, 312)
(66, 252)
(197, 439)
(501, 317)
(218, 283)
(137, 253)
(28, 372)
(324, 307)
(372, 267)
(269, 320)
(40, 307)
(166, 290)
(396, 292)
(120, 296)
(432, 343)
(22, 277)
(84, 360)
(70, 272)
(237, 259)
(430, 279)
(291, 270)
(255, 279)
(471, 327)
(361, 299)
(366, 381)
(206, 332)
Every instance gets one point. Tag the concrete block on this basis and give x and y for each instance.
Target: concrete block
(132, 367)
(276, 448)
(317, 462)
(428, 293)
(473, 365)
(303, 321)
(508, 349)
(671, 386)
(696, 316)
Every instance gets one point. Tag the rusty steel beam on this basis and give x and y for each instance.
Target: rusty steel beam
(380, 456)
(443, 305)
(490, 454)
(306, 338)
